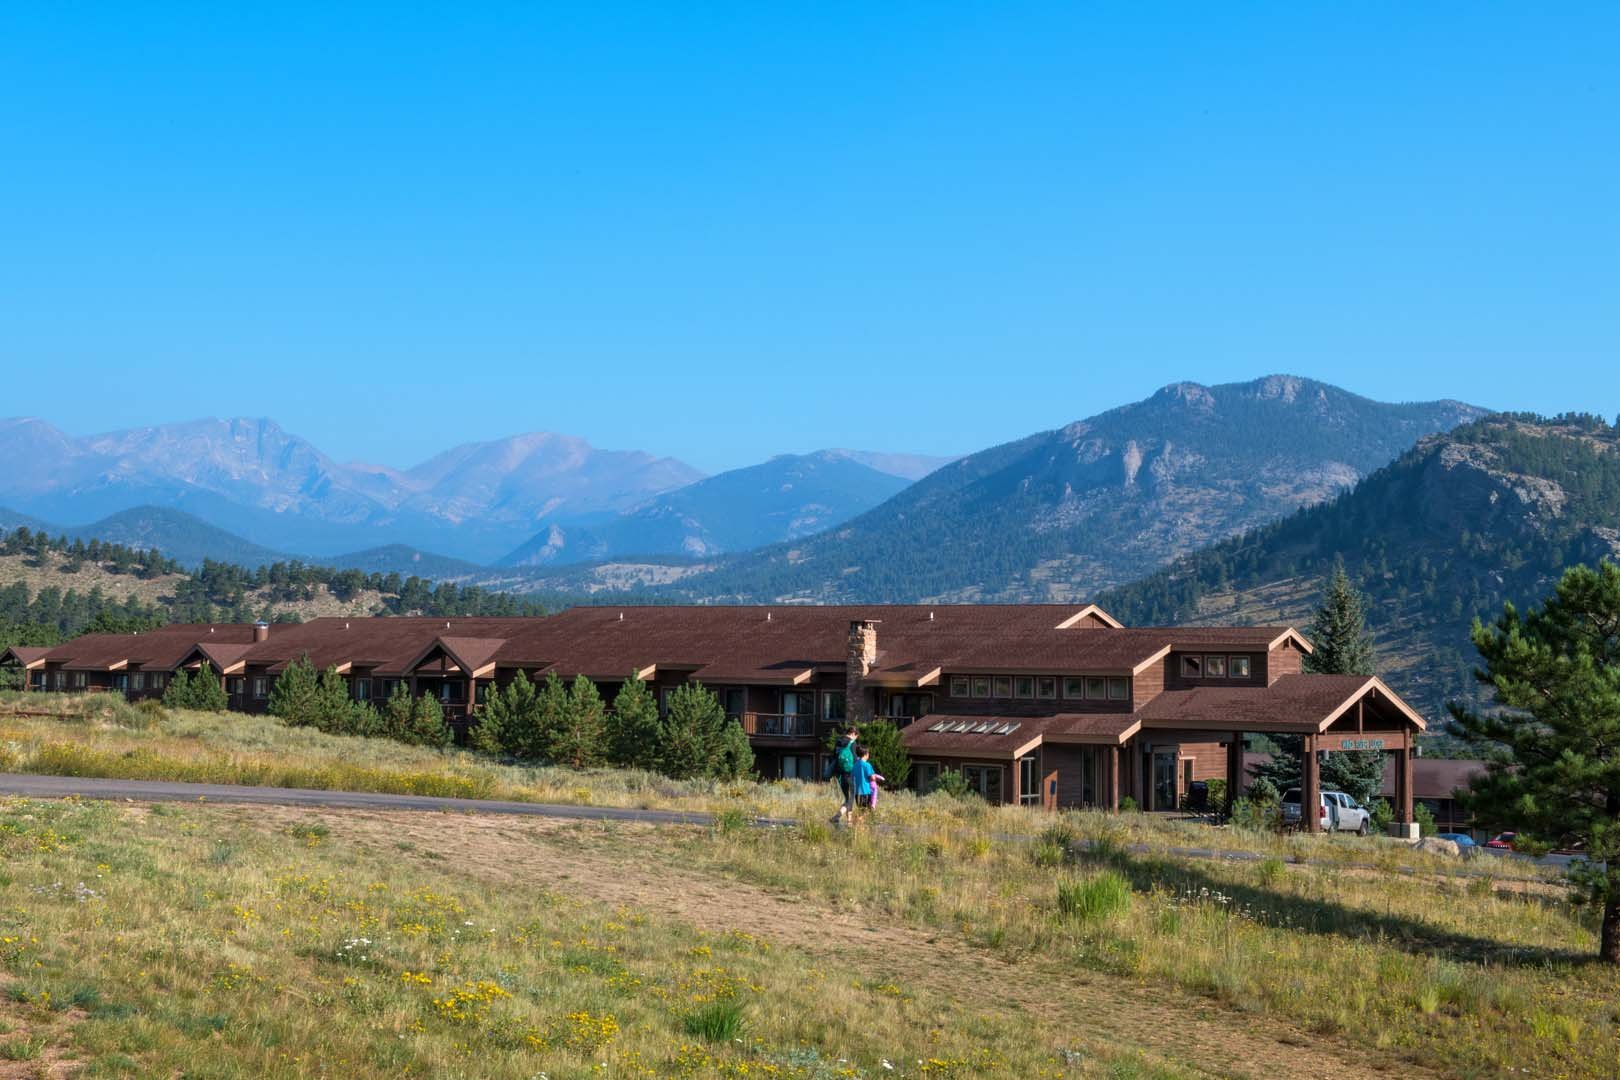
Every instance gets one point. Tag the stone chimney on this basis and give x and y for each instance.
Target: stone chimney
(261, 631)
(862, 655)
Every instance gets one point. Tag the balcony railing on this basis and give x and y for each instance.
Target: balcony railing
(779, 725)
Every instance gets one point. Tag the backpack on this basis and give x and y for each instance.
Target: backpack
(846, 758)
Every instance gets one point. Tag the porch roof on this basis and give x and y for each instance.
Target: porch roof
(1303, 704)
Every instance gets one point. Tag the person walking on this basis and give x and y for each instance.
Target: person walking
(863, 776)
(843, 766)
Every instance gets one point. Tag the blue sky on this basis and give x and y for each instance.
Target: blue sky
(722, 231)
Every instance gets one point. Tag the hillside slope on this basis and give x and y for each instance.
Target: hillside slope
(1491, 512)
(1062, 514)
(785, 498)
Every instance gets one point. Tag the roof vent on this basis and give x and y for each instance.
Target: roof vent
(767, 616)
(930, 616)
(447, 624)
(210, 629)
(345, 626)
(621, 616)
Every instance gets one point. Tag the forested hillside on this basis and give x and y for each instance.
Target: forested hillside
(53, 588)
(1062, 514)
(1490, 512)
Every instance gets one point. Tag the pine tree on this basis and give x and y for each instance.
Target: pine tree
(687, 733)
(695, 738)
(549, 717)
(632, 726)
(207, 692)
(1341, 645)
(1552, 739)
(579, 741)
(292, 698)
(177, 695)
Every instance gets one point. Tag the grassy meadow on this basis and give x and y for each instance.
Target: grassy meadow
(966, 940)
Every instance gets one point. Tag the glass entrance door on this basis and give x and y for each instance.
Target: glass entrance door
(1164, 780)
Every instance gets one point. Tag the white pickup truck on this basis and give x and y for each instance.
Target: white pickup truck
(1336, 811)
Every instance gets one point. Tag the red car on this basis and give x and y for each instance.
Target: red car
(1502, 841)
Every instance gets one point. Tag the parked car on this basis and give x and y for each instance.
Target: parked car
(1335, 812)
(1346, 814)
(1502, 841)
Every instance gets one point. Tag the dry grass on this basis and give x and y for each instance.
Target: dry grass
(211, 942)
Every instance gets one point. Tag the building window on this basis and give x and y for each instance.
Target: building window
(1002, 687)
(120, 681)
(1118, 688)
(1215, 667)
(960, 686)
(61, 680)
(157, 680)
(78, 680)
(1240, 667)
(798, 703)
(1192, 667)
(261, 686)
(925, 775)
(137, 681)
(1096, 687)
(452, 692)
(1029, 782)
(233, 687)
(985, 779)
(832, 705)
(362, 689)
(1074, 687)
(666, 696)
(735, 699)
(798, 766)
(1024, 686)
(981, 686)
(1046, 687)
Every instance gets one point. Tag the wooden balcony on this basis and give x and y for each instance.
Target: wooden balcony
(779, 725)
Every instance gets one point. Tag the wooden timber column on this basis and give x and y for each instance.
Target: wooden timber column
(1234, 770)
(1403, 784)
(1310, 788)
(1114, 755)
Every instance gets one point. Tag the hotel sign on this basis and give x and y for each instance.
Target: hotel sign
(1361, 744)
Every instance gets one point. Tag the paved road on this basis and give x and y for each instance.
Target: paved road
(174, 791)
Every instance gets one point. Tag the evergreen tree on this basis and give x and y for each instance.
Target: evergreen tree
(632, 726)
(207, 691)
(549, 718)
(889, 757)
(415, 720)
(579, 741)
(734, 758)
(687, 732)
(292, 697)
(692, 736)
(507, 723)
(1552, 742)
(1341, 645)
(177, 695)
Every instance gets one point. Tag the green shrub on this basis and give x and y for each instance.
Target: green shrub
(1383, 816)
(1127, 805)
(1093, 899)
(1270, 870)
(1424, 818)
(730, 821)
(1046, 853)
(718, 1021)
(954, 784)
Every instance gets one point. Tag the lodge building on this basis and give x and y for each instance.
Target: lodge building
(1045, 705)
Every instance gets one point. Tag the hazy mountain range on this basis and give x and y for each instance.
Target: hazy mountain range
(538, 497)
(1063, 514)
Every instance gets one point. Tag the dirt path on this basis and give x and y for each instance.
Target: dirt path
(1088, 1009)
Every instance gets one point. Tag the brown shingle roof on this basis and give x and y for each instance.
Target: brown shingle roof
(1287, 703)
(161, 649)
(26, 654)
